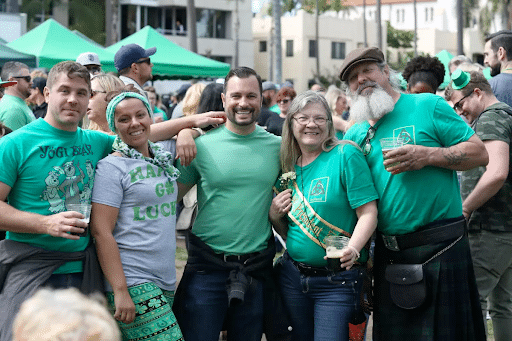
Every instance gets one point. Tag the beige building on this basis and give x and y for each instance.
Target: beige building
(337, 37)
(215, 22)
(436, 21)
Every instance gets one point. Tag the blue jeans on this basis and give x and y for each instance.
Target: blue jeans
(320, 307)
(206, 308)
(64, 281)
(492, 260)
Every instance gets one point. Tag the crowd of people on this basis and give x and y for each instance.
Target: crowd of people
(430, 255)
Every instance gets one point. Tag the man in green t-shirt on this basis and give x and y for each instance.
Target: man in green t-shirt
(420, 213)
(487, 196)
(229, 254)
(14, 112)
(46, 166)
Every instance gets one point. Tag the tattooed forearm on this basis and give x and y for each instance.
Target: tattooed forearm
(454, 157)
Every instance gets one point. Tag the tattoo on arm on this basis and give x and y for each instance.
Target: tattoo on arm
(454, 157)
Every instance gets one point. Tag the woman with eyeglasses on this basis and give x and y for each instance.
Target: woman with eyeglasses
(326, 189)
(133, 222)
(284, 99)
(96, 110)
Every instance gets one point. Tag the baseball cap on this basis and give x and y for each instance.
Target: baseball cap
(357, 56)
(268, 85)
(129, 54)
(40, 83)
(183, 89)
(88, 58)
(5, 84)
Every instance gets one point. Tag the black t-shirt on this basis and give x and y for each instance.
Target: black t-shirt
(274, 124)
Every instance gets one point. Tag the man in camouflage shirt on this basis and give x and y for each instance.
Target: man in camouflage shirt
(487, 196)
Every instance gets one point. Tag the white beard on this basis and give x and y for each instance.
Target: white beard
(371, 107)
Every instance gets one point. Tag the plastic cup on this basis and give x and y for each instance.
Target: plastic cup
(390, 143)
(333, 247)
(85, 209)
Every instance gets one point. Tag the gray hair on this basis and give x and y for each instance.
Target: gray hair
(11, 69)
(290, 150)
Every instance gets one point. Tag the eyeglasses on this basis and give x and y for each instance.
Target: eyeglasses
(147, 61)
(26, 78)
(303, 120)
(94, 92)
(458, 106)
(283, 101)
(367, 147)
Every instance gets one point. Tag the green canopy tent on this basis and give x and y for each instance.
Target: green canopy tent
(171, 60)
(7, 54)
(51, 43)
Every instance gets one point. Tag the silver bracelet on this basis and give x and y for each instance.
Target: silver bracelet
(200, 131)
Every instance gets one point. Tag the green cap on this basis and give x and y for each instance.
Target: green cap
(460, 79)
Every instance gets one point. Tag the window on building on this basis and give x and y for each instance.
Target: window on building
(426, 14)
(337, 50)
(403, 15)
(175, 21)
(431, 13)
(397, 15)
(263, 46)
(211, 23)
(289, 48)
(312, 48)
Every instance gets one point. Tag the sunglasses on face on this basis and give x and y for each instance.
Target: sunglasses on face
(94, 69)
(147, 61)
(26, 78)
(283, 101)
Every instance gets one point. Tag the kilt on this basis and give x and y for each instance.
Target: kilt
(452, 310)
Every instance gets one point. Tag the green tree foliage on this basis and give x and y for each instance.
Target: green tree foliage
(310, 6)
(323, 5)
(488, 13)
(399, 38)
(87, 16)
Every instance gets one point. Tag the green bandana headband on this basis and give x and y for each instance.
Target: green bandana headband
(111, 108)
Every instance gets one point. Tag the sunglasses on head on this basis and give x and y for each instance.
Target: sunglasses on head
(26, 78)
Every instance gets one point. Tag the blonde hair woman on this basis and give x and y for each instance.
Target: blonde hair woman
(100, 86)
(66, 315)
(191, 100)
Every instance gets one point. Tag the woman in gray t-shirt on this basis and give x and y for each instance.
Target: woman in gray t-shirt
(133, 221)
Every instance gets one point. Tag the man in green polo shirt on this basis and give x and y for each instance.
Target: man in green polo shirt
(14, 112)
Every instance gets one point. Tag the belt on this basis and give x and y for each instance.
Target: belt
(308, 270)
(236, 258)
(424, 237)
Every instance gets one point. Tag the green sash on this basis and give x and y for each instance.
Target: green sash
(314, 227)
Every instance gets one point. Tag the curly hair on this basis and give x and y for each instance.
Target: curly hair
(425, 69)
(286, 92)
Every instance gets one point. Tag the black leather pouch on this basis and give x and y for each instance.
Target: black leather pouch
(407, 285)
